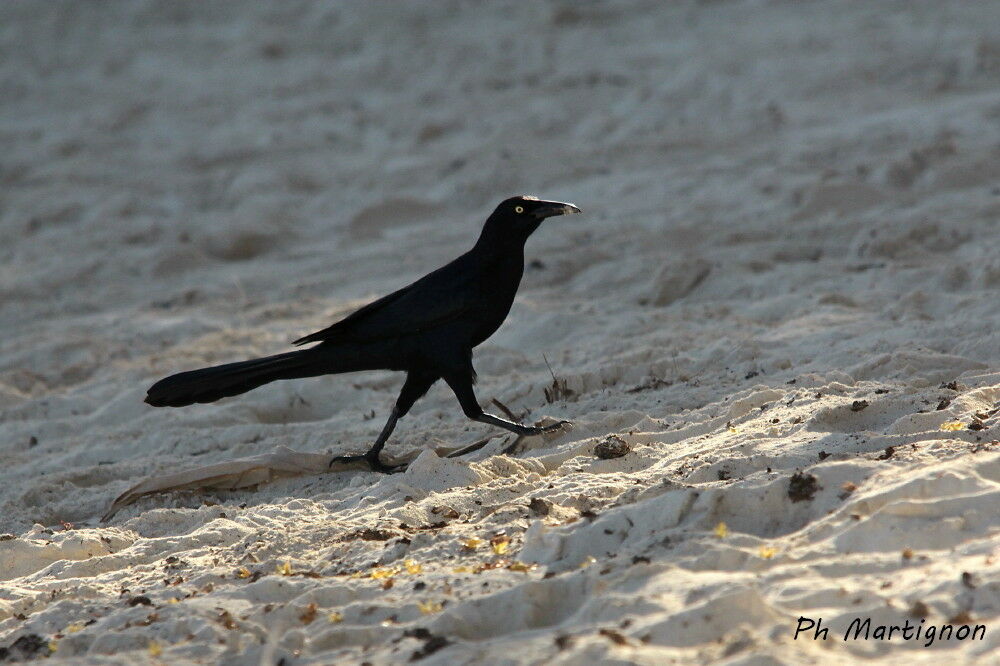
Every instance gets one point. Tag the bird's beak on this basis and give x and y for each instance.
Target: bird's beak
(546, 209)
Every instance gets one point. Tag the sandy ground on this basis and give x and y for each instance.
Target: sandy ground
(781, 302)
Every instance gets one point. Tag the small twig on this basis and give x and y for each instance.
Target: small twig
(512, 448)
(549, 367)
(559, 389)
(470, 448)
(503, 408)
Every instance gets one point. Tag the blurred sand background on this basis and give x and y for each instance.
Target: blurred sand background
(781, 300)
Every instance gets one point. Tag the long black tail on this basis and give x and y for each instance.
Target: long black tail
(222, 381)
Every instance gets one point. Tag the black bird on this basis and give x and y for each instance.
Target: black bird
(427, 330)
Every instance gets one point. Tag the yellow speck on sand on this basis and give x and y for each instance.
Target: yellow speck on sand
(430, 607)
(522, 566)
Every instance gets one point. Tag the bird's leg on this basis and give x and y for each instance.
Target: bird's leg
(372, 457)
(462, 386)
(415, 386)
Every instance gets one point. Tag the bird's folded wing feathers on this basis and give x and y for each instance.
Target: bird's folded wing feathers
(342, 327)
(433, 300)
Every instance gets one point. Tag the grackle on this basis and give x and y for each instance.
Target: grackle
(427, 330)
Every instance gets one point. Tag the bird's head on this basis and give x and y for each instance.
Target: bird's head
(516, 218)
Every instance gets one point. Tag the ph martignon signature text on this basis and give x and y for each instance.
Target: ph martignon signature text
(863, 629)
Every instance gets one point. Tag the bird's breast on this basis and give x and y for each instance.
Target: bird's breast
(497, 297)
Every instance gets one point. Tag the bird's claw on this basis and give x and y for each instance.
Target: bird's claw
(552, 427)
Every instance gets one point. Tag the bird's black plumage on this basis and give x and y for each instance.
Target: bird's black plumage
(427, 329)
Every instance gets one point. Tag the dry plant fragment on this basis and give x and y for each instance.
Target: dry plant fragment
(522, 567)
(500, 543)
(430, 607)
(614, 636)
(309, 614)
(486, 566)
(226, 620)
(251, 472)
(802, 487)
(559, 390)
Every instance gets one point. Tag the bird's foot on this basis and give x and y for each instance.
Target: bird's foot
(371, 459)
(539, 430)
(528, 431)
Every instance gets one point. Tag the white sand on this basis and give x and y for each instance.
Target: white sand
(789, 207)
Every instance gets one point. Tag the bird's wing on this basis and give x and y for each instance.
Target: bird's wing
(342, 327)
(437, 298)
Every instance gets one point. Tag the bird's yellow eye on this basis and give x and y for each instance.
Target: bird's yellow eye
(518, 209)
